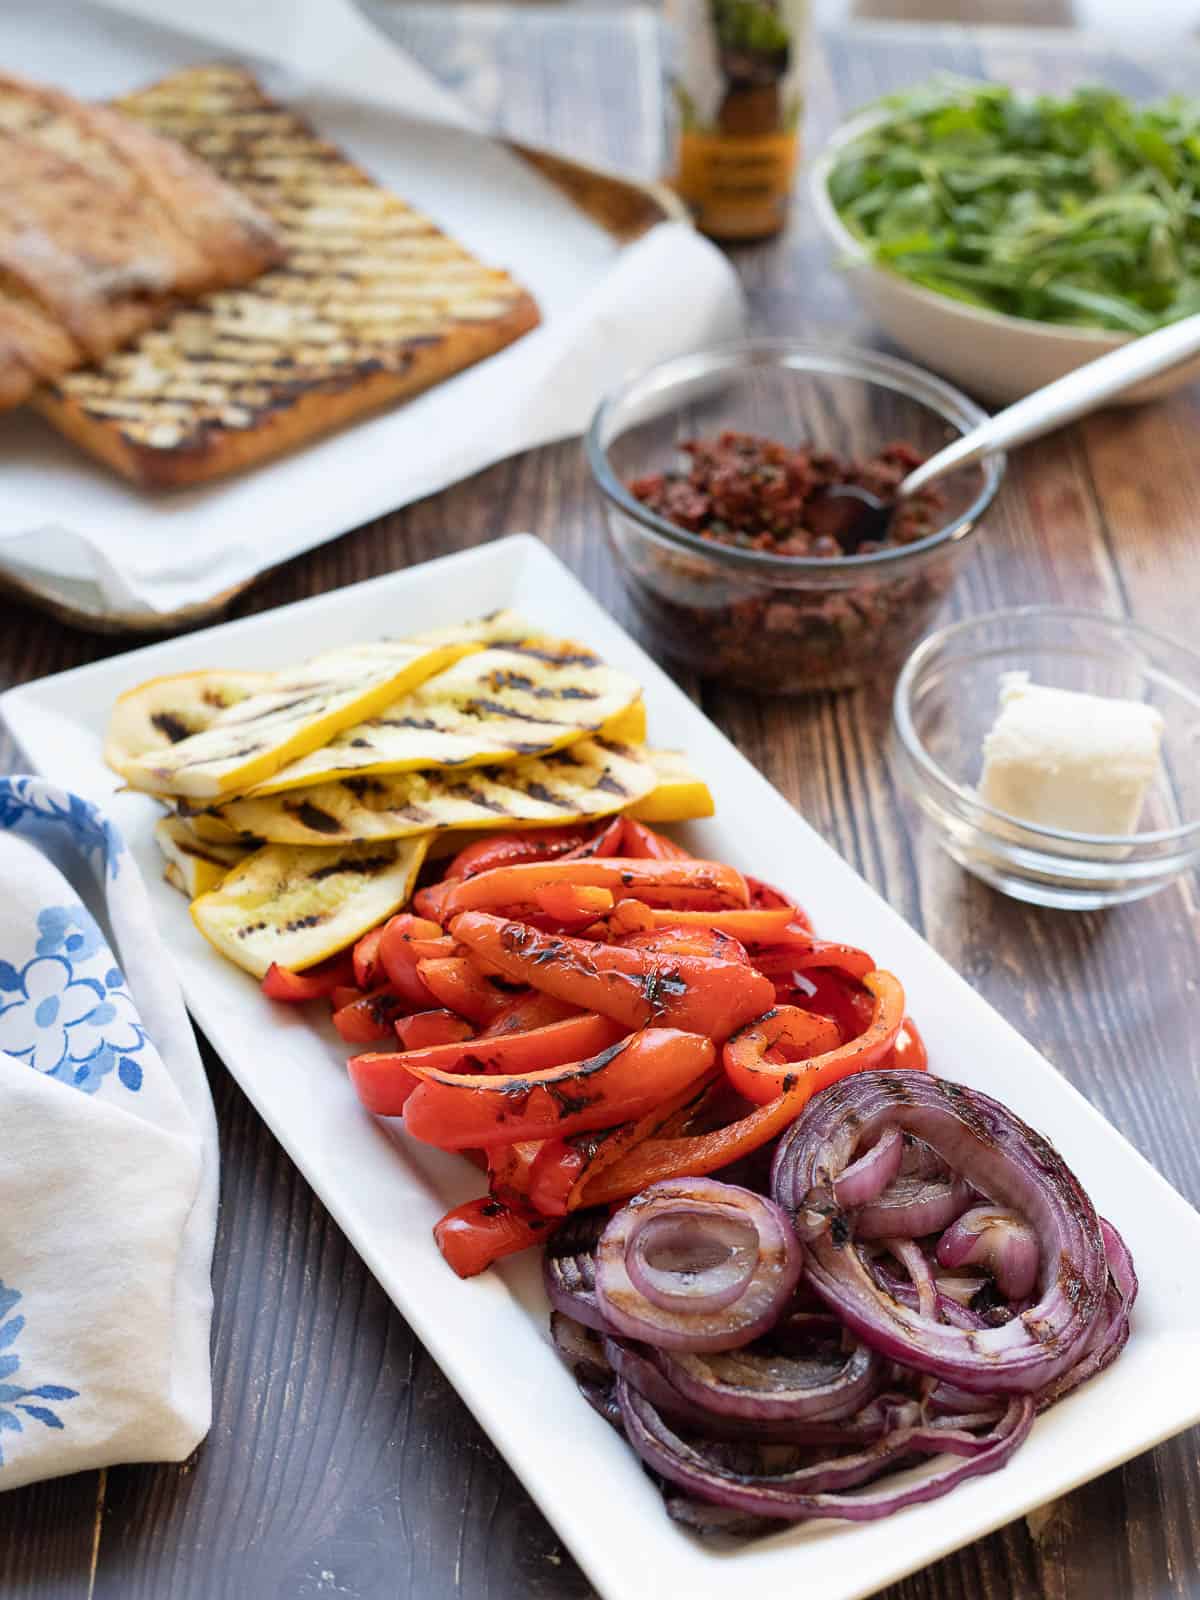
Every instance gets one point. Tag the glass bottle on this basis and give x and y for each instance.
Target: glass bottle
(735, 104)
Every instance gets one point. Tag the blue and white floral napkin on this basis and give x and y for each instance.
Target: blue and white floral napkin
(108, 1157)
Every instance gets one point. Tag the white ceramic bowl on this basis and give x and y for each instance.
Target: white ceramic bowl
(992, 356)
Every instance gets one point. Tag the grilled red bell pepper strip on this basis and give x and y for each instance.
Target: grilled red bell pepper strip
(573, 904)
(808, 954)
(764, 926)
(633, 987)
(430, 901)
(425, 1028)
(405, 940)
(384, 1081)
(563, 1166)
(569, 1039)
(510, 1170)
(691, 1157)
(344, 995)
(381, 1083)
(558, 1168)
(765, 896)
(644, 844)
(474, 1235)
(758, 1058)
(507, 849)
(368, 969)
(316, 983)
(690, 940)
(626, 1080)
(609, 841)
(700, 885)
(626, 917)
(370, 1018)
(526, 1011)
(459, 986)
(831, 994)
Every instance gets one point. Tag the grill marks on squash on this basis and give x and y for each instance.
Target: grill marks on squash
(294, 711)
(165, 711)
(297, 905)
(595, 778)
(519, 696)
(295, 874)
(172, 727)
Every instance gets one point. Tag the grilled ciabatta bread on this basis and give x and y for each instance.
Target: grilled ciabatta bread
(103, 225)
(371, 304)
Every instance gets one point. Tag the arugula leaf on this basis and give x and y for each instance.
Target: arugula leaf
(1083, 210)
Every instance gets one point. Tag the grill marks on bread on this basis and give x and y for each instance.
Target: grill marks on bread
(373, 302)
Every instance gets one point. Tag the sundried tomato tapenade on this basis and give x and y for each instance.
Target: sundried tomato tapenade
(831, 626)
(757, 494)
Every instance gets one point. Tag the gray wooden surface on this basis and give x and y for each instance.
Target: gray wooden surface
(340, 1462)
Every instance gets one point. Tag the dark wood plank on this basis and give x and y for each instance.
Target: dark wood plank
(49, 1537)
(340, 1462)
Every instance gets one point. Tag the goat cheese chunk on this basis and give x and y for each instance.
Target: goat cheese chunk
(1068, 760)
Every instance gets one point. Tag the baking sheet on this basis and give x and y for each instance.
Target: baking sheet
(85, 539)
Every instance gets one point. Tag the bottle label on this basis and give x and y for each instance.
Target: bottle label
(736, 103)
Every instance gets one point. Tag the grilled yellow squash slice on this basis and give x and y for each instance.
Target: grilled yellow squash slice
(299, 709)
(524, 694)
(678, 795)
(193, 865)
(160, 713)
(298, 905)
(209, 829)
(591, 778)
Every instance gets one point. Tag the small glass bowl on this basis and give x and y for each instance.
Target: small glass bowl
(783, 624)
(946, 700)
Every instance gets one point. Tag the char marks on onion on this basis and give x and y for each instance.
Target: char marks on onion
(762, 1387)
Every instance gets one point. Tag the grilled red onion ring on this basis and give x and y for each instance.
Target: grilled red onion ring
(693, 1264)
(580, 1348)
(569, 1268)
(992, 1236)
(817, 1490)
(867, 1178)
(912, 1207)
(798, 1374)
(1111, 1329)
(1001, 1157)
(899, 1189)
(639, 1365)
(953, 1296)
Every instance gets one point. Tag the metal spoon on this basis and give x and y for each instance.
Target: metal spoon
(854, 516)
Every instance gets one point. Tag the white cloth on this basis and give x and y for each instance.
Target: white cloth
(81, 535)
(108, 1157)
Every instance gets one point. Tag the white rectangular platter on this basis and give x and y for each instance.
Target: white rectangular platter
(387, 1192)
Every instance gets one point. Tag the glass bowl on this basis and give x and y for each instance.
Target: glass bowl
(783, 624)
(946, 701)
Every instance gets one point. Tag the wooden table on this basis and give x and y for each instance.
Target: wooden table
(340, 1462)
